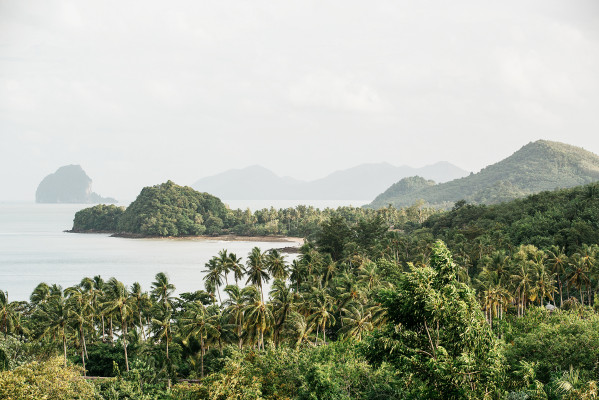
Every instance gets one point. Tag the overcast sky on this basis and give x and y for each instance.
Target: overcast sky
(141, 92)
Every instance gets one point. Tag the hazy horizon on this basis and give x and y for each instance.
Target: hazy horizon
(138, 95)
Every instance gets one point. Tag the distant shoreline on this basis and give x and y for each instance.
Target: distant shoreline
(226, 238)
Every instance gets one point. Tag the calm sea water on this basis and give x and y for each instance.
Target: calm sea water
(34, 249)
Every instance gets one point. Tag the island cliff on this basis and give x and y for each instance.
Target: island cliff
(69, 184)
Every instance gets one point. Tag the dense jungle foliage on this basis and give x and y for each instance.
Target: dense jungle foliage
(475, 303)
(538, 166)
(172, 210)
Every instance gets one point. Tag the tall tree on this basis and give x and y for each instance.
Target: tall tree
(257, 269)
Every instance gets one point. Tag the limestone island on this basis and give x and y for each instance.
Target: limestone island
(69, 184)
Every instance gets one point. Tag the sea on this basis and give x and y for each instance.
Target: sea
(35, 248)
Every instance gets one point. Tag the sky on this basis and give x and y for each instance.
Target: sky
(138, 92)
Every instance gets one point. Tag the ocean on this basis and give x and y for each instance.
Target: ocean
(34, 248)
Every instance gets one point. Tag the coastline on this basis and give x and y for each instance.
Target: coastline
(226, 238)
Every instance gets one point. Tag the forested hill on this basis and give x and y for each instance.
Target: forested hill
(538, 166)
(566, 218)
(172, 210)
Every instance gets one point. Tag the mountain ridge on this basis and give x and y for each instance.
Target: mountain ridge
(360, 182)
(537, 166)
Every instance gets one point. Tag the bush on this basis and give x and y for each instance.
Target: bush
(45, 380)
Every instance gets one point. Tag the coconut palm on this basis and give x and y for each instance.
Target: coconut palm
(141, 304)
(7, 314)
(298, 329)
(275, 263)
(235, 266)
(369, 275)
(119, 301)
(544, 285)
(79, 314)
(357, 320)
(198, 323)
(282, 303)
(223, 264)
(256, 269)
(558, 261)
(40, 294)
(162, 290)
(579, 273)
(321, 311)
(523, 282)
(235, 306)
(258, 319)
(213, 277)
(54, 316)
(297, 273)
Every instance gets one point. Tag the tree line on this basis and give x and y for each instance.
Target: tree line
(468, 304)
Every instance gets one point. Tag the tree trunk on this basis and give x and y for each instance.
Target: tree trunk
(110, 332)
(316, 340)
(83, 357)
(202, 358)
(125, 346)
(141, 326)
(561, 298)
(261, 294)
(64, 345)
(84, 345)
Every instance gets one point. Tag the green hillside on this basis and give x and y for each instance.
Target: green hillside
(566, 218)
(538, 166)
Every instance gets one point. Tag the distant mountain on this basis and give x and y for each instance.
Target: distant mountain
(361, 182)
(538, 166)
(69, 184)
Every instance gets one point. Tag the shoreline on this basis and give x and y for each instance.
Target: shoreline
(226, 238)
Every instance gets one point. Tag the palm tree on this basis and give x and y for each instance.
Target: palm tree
(523, 281)
(197, 323)
(119, 300)
(356, 321)
(297, 274)
(162, 290)
(78, 314)
(320, 312)
(256, 269)
(235, 307)
(298, 329)
(234, 264)
(282, 302)
(579, 273)
(258, 318)
(212, 278)
(223, 264)
(162, 326)
(54, 314)
(369, 275)
(141, 304)
(7, 313)
(275, 263)
(557, 261)
(40, 294)
(544, 286)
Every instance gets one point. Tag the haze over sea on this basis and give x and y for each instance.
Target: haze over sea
(34, 248)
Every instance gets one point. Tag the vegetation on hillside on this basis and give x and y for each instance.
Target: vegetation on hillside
(481, 302)
(536, 167)
(172, 210)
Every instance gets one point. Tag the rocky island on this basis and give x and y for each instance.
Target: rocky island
(69, 184)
